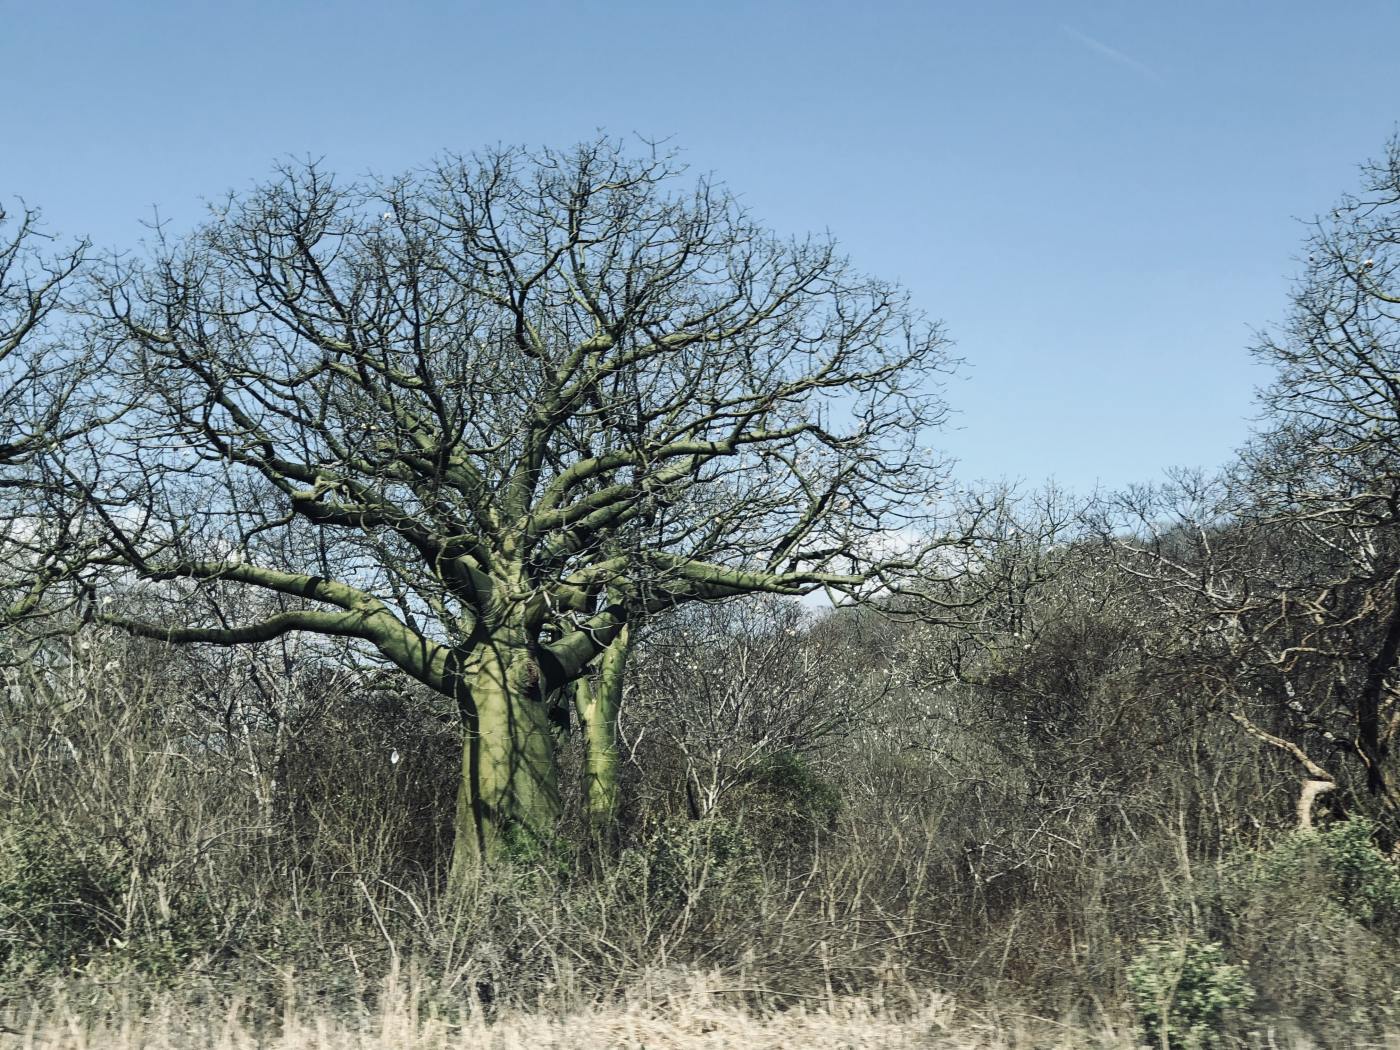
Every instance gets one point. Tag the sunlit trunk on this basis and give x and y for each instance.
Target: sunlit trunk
(598, 702)
(508, 804)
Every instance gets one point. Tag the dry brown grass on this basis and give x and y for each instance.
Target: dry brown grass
(668, 1011)
(684, 1012)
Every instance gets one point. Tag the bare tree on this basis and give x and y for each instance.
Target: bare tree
(1284, 575)
(1331, 466)
(1258, 617)
(485, 417)
(40, 377)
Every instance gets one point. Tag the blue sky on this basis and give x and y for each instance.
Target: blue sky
(1099, 199)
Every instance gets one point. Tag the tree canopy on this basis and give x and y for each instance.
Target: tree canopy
(486, 415)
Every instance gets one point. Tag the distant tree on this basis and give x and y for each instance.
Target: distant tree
(40, 379)
(1284, 575)
(487, 417)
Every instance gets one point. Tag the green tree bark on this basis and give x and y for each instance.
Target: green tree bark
(598, 702)
(509, 802)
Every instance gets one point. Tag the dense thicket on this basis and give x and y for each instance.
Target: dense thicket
(1019, 816)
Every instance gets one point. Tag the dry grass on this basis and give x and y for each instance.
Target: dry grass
(667, 1011)
(684, 1012)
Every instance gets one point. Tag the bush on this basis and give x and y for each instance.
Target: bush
(1314, 918)
(697, 865)
(789, 800)
(1340, 863)
(1364, 880)
(1185, 993)
(59, 903)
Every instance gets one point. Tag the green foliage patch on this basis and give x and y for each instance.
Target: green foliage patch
(1186, 993)
(1341, 863)
(790, 800)
(699, 865)
(59, 903)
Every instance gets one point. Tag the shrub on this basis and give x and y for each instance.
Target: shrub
(1314, 918)
(789, 800)
(1341, 864)
(59, 903)
(1364, 880)
(694, 864)
(1185, 993)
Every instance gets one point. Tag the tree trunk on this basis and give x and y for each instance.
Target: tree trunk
(1307, 797)
(598, 702)
(1369, 739)
(508, 803)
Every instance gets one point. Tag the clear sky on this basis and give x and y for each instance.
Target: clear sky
(1100, 199)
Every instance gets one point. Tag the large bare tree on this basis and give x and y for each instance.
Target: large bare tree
(487, 416)
(1329, 469)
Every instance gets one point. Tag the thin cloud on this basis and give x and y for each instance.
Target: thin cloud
(1113, 54)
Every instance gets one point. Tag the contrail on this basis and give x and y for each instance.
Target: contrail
(1113, 54)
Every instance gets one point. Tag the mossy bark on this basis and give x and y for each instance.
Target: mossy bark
(508, 804)
(598, 702)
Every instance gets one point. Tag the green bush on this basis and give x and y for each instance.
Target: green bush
(1314, 917)
(1341, 861)
(1364, 880)
(1186, 993)
(790, 800)
(59, 903)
